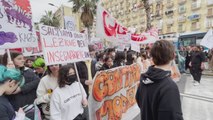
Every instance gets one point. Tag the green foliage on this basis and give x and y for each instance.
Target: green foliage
(49, 19)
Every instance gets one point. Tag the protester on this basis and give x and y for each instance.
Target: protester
(100, 62)
(45, 88)
(131, 58)
(67, 101)
(39, 66)
(26, 94)
(108, 63)
(197, 65)
(158, 95)
(119, 59)
(29, 62)
(10, 79)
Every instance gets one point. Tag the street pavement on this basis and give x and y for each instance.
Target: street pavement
(197, 101)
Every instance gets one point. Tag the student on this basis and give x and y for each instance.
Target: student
(26, 94)
(108, 63)
(157, 95)
(39, 66)
(10, 79)
(67, 102)
(45, 88)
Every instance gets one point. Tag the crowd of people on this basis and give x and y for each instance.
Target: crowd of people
(55, 89)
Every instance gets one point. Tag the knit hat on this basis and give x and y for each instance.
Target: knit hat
(39, 62)
(10, 73)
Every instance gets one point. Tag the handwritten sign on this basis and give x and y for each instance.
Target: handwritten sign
(113, 93)
(16, 26)
(34, 51)
(63, 46)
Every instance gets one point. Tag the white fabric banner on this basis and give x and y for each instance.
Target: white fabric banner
(70, 23)
(63, 46)
(135, 47)
(107, 27)
(16, 24)
(207, 41)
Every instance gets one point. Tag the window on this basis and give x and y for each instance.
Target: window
(209, 23)
(195, 26)
(182, 9)
(181, 28)
(169, 29)
(210, 12)
(196, 5)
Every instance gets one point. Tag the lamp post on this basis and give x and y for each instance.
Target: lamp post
(62, 12)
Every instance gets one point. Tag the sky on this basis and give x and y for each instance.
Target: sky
(40, 6)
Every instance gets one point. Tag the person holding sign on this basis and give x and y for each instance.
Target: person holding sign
(10, 80)
(158, 96)
(67, 101)
(26, 94)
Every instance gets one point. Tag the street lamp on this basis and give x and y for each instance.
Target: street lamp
(62, 12)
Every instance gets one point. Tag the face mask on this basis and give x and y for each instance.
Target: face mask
(70, 79)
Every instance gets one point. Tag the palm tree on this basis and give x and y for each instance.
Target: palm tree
(148, 17)
(87, 9)
(49, 19)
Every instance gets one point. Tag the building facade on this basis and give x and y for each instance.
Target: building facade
(173, 18)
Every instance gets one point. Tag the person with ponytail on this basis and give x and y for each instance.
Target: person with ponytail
(26, 94)
(10, 80)
(67, 101)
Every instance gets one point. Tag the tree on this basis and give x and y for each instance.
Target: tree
(49, 19)
(87, 9)
(148, 16)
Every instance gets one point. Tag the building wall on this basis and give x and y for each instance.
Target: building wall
(131, 13)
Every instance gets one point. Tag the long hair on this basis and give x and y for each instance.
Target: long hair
(63, 72)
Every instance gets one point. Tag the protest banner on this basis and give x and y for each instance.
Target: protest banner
(135, 47)
(113, 93)
(63, 46)
(70, 23)
(97, 44)
(34, 51)
(207, 40)
(16, 24)
(110, 29)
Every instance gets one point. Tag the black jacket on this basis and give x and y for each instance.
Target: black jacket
(83, 73)
(28, 90)
(158, 96)
(106, 67)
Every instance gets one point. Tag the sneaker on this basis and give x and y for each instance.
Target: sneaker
(196, 83)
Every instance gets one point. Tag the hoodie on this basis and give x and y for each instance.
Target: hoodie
(158, 96)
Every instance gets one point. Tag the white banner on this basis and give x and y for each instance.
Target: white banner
(135, 47)
(16, 26)
(63, 46)
(207, 41)
(113, 94)
(70, 23)
(107, 27)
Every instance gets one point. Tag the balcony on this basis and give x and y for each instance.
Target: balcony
(195, 6)
(194, 17)
(181, 2)
(182, 19)
(170, 4)
(170, 22)
(195, 26)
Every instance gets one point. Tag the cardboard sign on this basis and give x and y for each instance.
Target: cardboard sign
(113, 93)
(16, 26)
(34, 51)
(63, 46)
